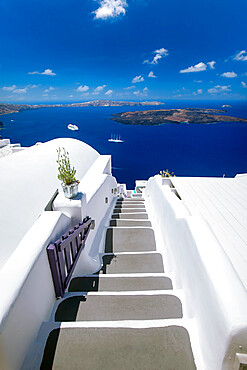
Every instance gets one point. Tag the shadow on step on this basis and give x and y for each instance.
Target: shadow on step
(84, 284)
(50, 350)
(107, 259)
(109, 241)
(68, 309)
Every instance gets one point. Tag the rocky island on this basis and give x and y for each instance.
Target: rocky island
(186, 115)
(15, 108)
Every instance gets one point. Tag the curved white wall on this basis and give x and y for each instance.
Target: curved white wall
(28, 181)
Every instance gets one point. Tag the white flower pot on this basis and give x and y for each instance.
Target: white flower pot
(70, 191)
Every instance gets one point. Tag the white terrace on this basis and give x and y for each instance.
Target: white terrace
(160, 282)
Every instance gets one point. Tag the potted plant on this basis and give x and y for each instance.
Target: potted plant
(166, 173)
(66, 173)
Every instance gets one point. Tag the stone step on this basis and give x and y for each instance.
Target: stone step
(132, 263)
(127, 239)
(128, 210)
(130, 216)
(100, 283)
(120, 206)
(119, 349)
(131, 199)
(119, 307)
(130, 202)
(130, 223)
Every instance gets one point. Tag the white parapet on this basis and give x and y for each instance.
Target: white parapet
(4, 142)
(27, 293)
(215, 298)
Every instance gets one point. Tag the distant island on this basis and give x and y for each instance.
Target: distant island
(186, 115)
(15, 108)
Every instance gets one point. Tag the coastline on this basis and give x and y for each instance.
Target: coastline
(16, 108)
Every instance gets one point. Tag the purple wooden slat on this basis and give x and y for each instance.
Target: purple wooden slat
(67, 258)
(52, 255)
(64, 254)
(61, 264)
(74, 248)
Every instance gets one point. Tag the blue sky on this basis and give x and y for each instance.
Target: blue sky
(80, 50)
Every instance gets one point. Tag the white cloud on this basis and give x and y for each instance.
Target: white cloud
(137, 79)
(129, 88)
(109, 92)
(98, 89)
(198, 81)
(219, 89)
(151, 74)
(229, 74)
(16, 90)
(199, 91)
(44, 94)
(162, 51)
(47, 72)
(9, 88)
(137, 92)
(82, 88)
(142, 92)
(197, 68)
(211, 64)
(71, 96)
(159, 54)
(241, 56)
(49, 89)
(244, 85)
(110, 9)
(32, 86)
(20, 91)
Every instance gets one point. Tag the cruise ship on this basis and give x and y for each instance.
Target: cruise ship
(149, 278)
(73, 127)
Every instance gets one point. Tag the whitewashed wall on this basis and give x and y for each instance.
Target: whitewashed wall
(28, 181)
(214, 295)
(27, 292)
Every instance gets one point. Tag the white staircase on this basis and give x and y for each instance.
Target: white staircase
(126, 316)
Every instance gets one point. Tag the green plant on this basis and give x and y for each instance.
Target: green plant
(66, 172)
(166, 173)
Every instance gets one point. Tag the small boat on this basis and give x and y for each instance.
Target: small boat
(115, 139)
(73, 127)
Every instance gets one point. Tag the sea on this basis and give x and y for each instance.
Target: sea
(218, 149)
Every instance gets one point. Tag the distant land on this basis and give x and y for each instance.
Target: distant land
(15, 108)
(186, 115)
